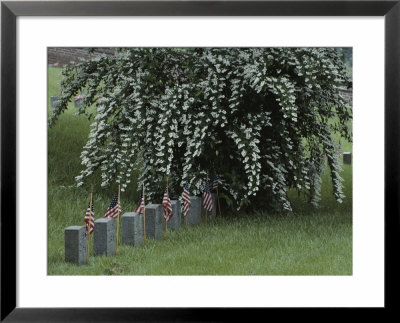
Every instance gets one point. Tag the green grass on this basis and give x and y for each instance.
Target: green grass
(258, 245)
(308, 242)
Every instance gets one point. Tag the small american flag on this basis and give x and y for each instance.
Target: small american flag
(89, 220)
(166, 203)
(340, 152)
(114, 209)
(207, 199)
(140, 207)
(186, 199)
(215, 179)
(79, 97)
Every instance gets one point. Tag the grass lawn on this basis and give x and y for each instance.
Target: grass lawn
(308, 242)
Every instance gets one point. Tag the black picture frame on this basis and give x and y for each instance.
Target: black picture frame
(10, 10)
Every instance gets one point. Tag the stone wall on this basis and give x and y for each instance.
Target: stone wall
(347, 94)
(60, 56)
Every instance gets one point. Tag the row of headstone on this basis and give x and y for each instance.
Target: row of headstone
(78, 101)
(104, 240)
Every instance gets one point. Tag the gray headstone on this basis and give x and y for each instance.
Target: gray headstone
(132, 228)
(78, 102)
(53, 100)
(105, 236)
(175, 222)
(214, 209)
(75, 245)
(347, 158)
(154, 221)
(194, 214)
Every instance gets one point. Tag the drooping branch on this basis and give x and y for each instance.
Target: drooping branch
(255, 115)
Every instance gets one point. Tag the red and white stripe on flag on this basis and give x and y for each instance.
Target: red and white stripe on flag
(186, 201)
(140, 207)
(166, 203)
(114, 209)
(89, 220)
(207, 201)
(113, 213)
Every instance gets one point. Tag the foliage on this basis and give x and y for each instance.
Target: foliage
(262, 118)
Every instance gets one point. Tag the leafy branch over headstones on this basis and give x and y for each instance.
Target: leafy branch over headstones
(258, 116)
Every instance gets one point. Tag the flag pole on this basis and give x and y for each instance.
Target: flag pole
(186, 216)
(144, 216)
(206, 209)
(119, 207)
(219, 206)
(186, 220)
(166, 216)
(88, 231)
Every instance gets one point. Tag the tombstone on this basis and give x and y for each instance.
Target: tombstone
(175, 222)
(53, 101)
(194, 214)
(78, 101)
(132, 228)
(105, 237)
(347, 158)
(154, 221)
(213, 213)
(75, 245)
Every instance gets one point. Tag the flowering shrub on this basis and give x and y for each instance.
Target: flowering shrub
(262, 118)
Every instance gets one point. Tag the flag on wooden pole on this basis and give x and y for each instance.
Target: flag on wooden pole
(140, 207)
(166, 203)
(115, 208)
(186, 203)
(89, 218)
(186, 200)
(118, 213)
(215, 180)
(207, 199)
(144, 215)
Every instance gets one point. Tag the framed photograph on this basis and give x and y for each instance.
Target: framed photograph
(307, 91)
